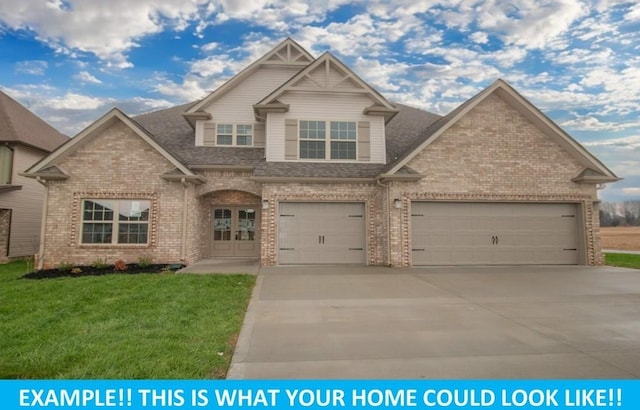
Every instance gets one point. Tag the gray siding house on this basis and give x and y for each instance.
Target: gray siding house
(296, 160)
(24, 140)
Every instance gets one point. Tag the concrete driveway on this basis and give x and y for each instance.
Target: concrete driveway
(469, 322)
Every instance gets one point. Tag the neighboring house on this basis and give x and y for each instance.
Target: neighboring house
(24, 140)
(296, 160)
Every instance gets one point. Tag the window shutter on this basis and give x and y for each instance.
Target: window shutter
(209, 134)
(259, 134)
(290, 139)
(364, 141)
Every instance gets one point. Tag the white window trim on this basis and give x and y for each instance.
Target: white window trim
(328, 140)
(234, 135)
(115, 222)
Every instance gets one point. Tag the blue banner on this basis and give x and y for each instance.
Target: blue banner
(319, 394)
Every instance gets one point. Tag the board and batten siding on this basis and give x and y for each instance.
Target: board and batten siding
(26, 204)
(236, 106)
(324, 107)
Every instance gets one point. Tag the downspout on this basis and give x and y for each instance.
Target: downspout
(43, 223)
(183, 250)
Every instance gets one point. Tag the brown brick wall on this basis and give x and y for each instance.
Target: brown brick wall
(493, 154)
(116, 164)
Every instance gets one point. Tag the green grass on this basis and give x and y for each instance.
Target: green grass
(147, 326)
(623, 260)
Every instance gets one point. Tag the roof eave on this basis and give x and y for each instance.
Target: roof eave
(44, 175)
(261, 110)
(192, 117)
(595, 179)
(387, 113)
(315, 180)
(399, 177)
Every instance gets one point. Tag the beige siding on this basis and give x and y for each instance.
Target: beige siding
(115, 164)
(312, 106)
(26, 205)
(237, 104)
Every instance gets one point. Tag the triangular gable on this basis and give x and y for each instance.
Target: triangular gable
(43, 167)
(522, 105)
(288, 52)
(328, 74)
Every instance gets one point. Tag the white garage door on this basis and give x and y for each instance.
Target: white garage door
(494, 233)
(321, 233)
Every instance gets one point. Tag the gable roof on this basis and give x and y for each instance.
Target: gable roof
(42, 167)
(326, 62)
(522, 105)
(19, 125)
(288, 52)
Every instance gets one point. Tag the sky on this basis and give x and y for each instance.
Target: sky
(71, 61)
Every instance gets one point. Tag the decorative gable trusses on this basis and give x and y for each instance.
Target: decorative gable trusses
(287, 52)
(595, 171)
(327, 74)
(48, 167)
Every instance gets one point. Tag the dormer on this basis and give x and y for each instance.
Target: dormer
(226, 117)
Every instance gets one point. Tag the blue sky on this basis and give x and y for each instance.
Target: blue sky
(578, 61)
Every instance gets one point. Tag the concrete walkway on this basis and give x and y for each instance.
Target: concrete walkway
(620, 251)
(470, 322)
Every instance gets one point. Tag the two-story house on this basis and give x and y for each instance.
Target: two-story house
(24, 140)
(297, 160)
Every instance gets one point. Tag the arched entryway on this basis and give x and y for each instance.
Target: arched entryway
(234, 224)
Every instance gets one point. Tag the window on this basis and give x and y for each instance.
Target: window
(112, 221)
(6, 164)
(224, 134)
(234, 134)
(343, 140)
(340, 145)
(312, 139)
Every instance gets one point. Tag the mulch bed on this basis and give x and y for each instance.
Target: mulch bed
(132, 269)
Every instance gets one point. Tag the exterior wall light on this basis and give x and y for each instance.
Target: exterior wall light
(265, 204)
(397, 203)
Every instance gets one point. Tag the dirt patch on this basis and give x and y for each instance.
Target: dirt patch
(625, 238)
(78, 271)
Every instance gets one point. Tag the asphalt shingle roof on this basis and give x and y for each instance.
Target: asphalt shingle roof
(407, 129)
(18, 124)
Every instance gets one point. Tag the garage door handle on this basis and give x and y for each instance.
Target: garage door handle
(418, 249)
(320, 239)
(287, 249)
(570, 249)
(356, 249)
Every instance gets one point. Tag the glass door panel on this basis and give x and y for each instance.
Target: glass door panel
(222, 225)
(246, 224)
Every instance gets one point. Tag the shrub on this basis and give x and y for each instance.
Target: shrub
(119, 265)
(144, 261)
(65, 266)
(76, 271)
(99, 263)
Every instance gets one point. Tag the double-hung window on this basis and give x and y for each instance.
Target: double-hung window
(234, 134)
(339, 144)
(115, 221)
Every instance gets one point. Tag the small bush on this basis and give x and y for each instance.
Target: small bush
(76, 271)
(65, 266)
(144, 261)
(119, 266)
(99, 264)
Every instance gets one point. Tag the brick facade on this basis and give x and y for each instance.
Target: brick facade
(493, 153)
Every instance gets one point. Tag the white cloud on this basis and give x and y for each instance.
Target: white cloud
(32, 67)
(622, 143)
(85, 77)
(479, 37)
(73, 101)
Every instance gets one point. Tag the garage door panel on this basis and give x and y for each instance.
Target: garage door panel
(321, 233)
(494, 233)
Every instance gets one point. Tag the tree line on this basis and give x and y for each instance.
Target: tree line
(625, 213)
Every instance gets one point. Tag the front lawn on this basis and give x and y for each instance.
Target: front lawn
(623, 260)
(144, 326)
